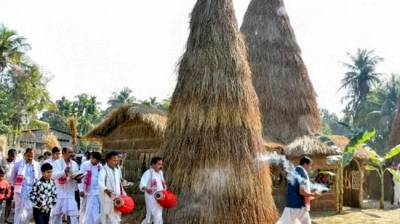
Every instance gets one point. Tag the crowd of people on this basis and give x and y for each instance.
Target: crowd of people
(59, 188)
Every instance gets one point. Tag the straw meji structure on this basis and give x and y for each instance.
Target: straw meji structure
(72, 124)
(287, 98)
(214, 130)
(135, 129)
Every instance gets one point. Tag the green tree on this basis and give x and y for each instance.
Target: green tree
(360, 78)
(12, 48)
(27, 96)
(379, 110)
(124, 96)
(380, 165)
(84, 108)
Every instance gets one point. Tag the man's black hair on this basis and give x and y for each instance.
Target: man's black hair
(64, 150)
(96, 155)
(155, 160)
(27, 150)
(47, 153)
(55, 150)
(45, 167)
(305, 160)
(111, 154)
(12, 152)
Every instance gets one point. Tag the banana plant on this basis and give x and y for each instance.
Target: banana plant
(380, 165)
(345, 159)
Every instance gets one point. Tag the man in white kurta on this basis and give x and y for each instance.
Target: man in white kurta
(151, 182)
(65, 185)
(89, 190)
(109, 187)
(24, 174)
(396, 188)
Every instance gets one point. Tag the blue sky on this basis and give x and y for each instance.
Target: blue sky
(98, 47)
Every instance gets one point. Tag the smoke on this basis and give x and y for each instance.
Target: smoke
(292, 175)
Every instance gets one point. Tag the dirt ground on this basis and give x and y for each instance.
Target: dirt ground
(350, 216)
(359, 216)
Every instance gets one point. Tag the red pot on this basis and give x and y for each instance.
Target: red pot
(166, 199)
(124, 204)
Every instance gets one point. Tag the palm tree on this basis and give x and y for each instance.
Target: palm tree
(121, 97)
(12, 48)
(359, 80)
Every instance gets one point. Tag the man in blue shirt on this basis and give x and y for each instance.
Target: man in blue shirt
(296, 210)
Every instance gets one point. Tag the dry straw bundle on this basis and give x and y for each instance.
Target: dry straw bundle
(214, 131)
(3, 145)
(72, 123)
(287, 98)
(51, 141)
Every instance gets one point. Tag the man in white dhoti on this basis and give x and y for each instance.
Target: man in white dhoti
(299, 196)
(396, 188)
(151, 182)
(110, 187)
(65, 185)
(24, 174)
(89, 190)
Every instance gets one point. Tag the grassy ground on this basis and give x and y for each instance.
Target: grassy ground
(359, 216)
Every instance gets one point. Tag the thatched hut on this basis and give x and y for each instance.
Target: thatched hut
(355, 188)
(287, 98)
(317, 150)
(214, 130)
(135, 129)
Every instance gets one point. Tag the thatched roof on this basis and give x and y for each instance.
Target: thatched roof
(214, 129)
(311, 145)
(287, 98)
(154, 118)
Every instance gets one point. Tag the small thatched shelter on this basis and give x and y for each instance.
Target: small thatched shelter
(317, 150)
(135, 129)
(287, 98)
(214, 130)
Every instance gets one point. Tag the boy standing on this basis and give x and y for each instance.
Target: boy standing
(151, 182)
(43, 195)
(5, 190)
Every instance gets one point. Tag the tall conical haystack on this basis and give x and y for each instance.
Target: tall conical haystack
(287, 98)
(214, 131)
